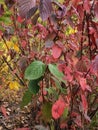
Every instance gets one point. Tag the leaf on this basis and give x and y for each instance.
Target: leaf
(33, 86)
(16, 48)
(35, 18)
(27, 97)
(56, 51)
(45, 8)
(46, 111)
(23, 129)
(35, 70)
(9, 3)
(86, 6)
(96, 10)
(65, 113)
(3, 110)
(54, 70)
(58, 108)
(24, 6)
(19, 19)
(84, 85)
(81, 66)
(1, 52)
(84, 103)
(95, 64)
(14, 85)
(31, 12)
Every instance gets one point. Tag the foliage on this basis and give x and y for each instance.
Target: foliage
(54, 45)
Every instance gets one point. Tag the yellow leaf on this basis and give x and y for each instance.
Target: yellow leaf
(14, 85)
(70, 31)
(9, 44)
(16, 48)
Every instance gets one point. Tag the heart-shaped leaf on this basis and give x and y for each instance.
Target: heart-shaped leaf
(35, 70)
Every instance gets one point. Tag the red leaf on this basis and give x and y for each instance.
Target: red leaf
(96, 9)
(56, 51)
(84, 103)
(19, 19)
(22, 129)
(95, 64)
(87, 5)
(58, 108)
(68, 75)
(84, 85)
(23, 44)
(75, 2)
(3, 111)
(1, 52)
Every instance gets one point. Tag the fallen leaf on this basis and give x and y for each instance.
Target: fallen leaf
(3, 109)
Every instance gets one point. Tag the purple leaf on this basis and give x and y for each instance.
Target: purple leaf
(24, 6)
(45, 8)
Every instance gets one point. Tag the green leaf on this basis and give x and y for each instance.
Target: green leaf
(65, 113)
(33, 86)
(35, 70)
(54, 70)
(46, 111)
(27, 97)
